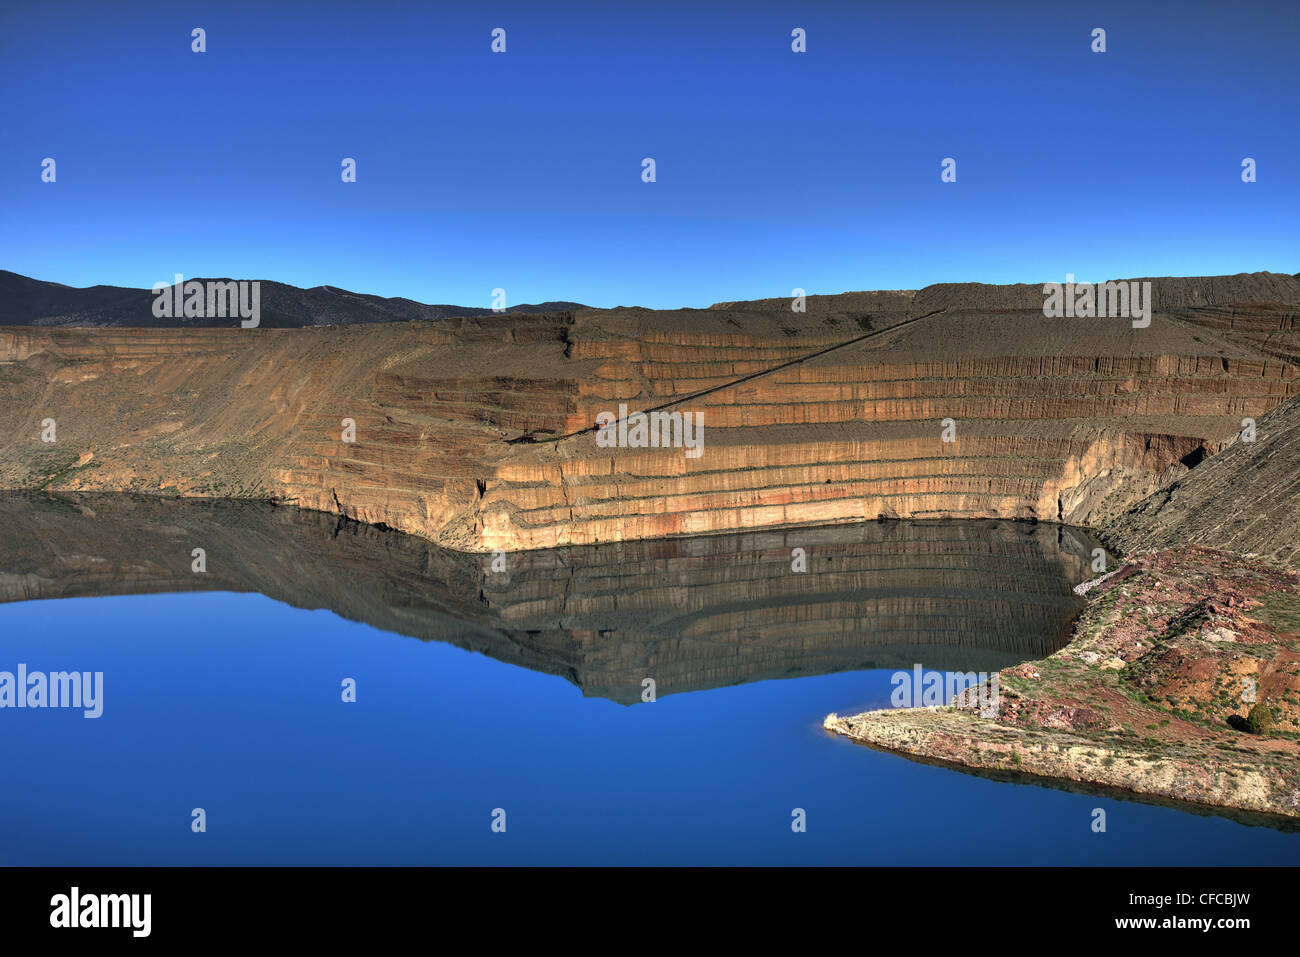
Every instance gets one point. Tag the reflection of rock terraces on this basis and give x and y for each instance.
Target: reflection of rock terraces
(1070, 419)
(691, 612)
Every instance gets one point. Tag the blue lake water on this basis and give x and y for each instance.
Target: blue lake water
(230, 701)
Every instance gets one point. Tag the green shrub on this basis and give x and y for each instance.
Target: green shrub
(1260, 719)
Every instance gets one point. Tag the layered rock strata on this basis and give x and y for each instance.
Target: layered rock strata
(478, 433)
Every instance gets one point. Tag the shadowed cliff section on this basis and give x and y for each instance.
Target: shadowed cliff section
(1244, 499)
(692, 613)
(834, 415)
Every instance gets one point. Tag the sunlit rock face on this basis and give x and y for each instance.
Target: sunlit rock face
(960, 401)
(689, 613)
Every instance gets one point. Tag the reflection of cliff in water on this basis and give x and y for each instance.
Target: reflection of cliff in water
(692, 613)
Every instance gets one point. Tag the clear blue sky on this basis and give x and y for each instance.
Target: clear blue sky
(523, 170)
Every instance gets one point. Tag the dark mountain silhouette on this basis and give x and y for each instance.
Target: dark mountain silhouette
(33, 302)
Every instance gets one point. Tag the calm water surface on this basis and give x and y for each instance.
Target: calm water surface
(525, 695)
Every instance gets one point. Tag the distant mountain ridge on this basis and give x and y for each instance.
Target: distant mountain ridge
(25, 301)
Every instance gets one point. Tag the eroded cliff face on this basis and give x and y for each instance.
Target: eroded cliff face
(478, 433)
(1244, 499)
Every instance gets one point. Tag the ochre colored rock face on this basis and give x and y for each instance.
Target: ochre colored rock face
(479, 433)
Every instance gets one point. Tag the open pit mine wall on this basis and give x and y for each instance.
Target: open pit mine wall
(834, 415)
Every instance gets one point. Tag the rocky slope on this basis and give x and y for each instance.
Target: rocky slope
(478, 432)
(1246, 498)
(1150, 695)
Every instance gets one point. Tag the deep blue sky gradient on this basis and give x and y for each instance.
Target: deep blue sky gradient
(522, 170)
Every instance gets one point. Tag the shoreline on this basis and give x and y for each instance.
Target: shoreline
(1273, 821)
(1144, 697)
